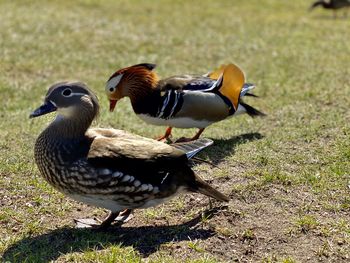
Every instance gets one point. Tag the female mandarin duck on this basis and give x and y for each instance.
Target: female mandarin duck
(188, 101)
(331, 4)
(109, 168)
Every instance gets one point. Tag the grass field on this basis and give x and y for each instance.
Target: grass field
(288, 175)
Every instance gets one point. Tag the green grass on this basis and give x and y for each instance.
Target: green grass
(288, 174)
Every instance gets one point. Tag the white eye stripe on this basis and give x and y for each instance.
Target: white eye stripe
(76, 94)
(112, 83)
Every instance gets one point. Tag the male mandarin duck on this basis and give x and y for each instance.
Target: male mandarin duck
(331, 4)
(110, 168)
(187, 101)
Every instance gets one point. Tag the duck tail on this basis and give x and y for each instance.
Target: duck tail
(193, 147)
(233, 87)
(251, 95)
(251, 111)
(245, 90)
(203, 187)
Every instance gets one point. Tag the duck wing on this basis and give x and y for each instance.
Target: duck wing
(150, 166)
(186, 82)
(146, 164)
(228, 81)
(116, 148)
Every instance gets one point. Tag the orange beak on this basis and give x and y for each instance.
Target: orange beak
(112, 104)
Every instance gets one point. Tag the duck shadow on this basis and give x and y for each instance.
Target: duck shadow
(330, 17)
(221, 147)
(145, 239)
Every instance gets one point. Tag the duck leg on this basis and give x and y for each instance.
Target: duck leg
(166, 135)
(108, 220)
(195, 137)
(200, 131)
(120, 217)
(124, 216)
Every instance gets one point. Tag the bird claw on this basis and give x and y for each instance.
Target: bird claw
(95, 223)
(164, 139)
(123, 218)
(87, 223)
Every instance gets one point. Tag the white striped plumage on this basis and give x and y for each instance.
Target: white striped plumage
(187, 101)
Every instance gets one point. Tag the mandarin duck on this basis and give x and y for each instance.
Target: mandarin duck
(331, 4)
(109, 168)
(187, 101)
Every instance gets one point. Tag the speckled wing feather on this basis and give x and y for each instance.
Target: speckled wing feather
(150, 161)
(118, 148)
(157, 166)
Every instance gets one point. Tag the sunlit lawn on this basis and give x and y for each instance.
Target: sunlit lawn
(287, 174)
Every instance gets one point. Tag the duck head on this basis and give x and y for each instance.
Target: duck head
(130, 82)
(69, 99)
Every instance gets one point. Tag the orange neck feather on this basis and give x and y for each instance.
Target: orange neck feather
(141, 82)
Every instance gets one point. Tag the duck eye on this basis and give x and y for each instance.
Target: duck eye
(111, 89)
(67, 92)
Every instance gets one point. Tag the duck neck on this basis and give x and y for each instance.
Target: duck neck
(63, 141)
(144, 95)
(326, 4)
(72, 127)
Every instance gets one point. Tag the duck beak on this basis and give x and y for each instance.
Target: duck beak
(47, 107)
(112, 104)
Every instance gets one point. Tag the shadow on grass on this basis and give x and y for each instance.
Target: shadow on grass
(145, 239)
(331, 17)
(219, 150)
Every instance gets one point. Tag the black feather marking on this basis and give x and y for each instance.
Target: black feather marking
(171, 103)
(252, 112)
(148, 66)
(202, 84)
(178, 104)
(251, 95)
(231, 108)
